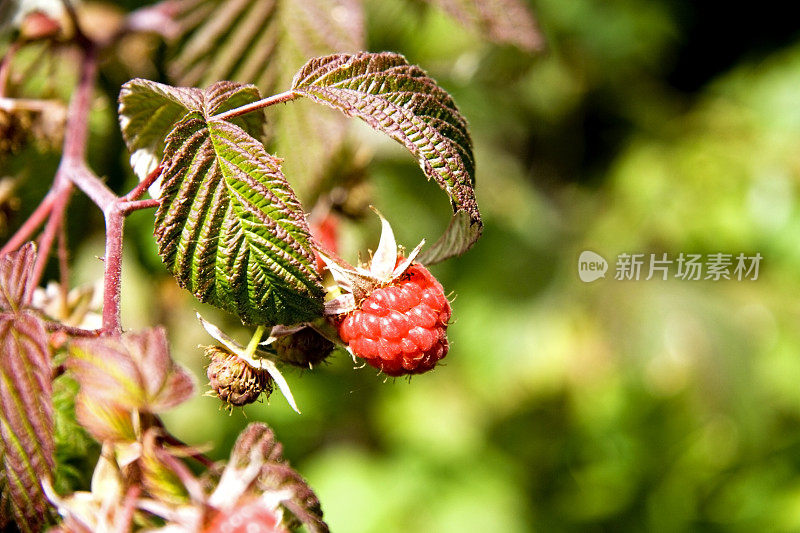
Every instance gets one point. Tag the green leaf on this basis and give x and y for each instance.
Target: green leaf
(401, 101)
(230, 228)
(264, 43)
(501, 21)
(149, 110)
(26, 418)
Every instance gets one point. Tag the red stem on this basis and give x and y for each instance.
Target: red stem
(143, 185)
(254, 106)
(113, 272)
(36, 219)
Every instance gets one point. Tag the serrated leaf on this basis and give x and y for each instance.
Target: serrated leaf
(26, 417)
(149, 110)
(15, 270)
(230, 228)
(501, 21)
(265, 42)
(402, 101)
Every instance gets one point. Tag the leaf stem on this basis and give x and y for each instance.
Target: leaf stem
(255, 106)
(254, 340)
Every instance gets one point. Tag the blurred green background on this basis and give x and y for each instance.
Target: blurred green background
(645, 127)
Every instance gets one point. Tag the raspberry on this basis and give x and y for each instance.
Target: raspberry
(250, 517)
(401, 327)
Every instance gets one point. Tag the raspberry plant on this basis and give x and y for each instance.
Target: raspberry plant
(230, 228)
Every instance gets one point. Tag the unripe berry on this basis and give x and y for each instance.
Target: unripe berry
(233, 380)
(304, 348)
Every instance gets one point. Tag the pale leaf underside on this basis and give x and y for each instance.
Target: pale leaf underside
(26, 417)
(402, 101)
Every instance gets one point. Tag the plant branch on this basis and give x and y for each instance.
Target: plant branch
(36, 219)
(143, 185)
(255, 106)
(113, 271)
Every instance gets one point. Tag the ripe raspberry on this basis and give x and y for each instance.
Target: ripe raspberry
(401, 327)
(250, 517)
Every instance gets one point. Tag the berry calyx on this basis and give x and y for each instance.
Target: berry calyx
(400, 328)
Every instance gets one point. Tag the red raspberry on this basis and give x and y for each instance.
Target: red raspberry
(250, 517)
(400, 328)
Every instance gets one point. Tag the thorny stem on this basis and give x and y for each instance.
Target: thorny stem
(255, 106)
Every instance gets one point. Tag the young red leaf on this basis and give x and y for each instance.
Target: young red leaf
(26, 417)
(15, 270)
(133, 371)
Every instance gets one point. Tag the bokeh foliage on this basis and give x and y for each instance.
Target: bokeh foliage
(563, 406)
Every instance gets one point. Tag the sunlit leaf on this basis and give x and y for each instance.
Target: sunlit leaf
(26, 417)
(502, 21)
(264, 43)
(402, 101)
(149, 110)
(230, 229)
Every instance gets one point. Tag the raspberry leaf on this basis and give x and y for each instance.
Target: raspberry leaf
(148, 111)
(229, 226)
(501, 21)
(402, 101)
(26, 419)
(133, 371)
(264, 43)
